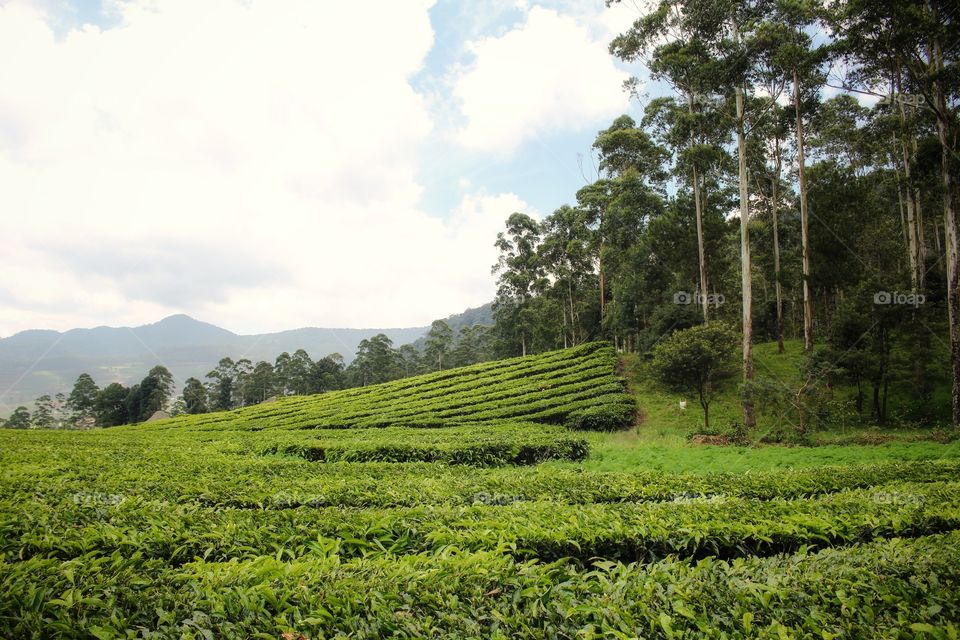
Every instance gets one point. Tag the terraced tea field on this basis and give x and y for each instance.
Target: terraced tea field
(429, 508)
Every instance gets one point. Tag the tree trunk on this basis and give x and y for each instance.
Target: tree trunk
(900, 198)
(701, 251)
(776, 245)
(706, 409)
(749, 416)
(909, 189)
(921, 240)
(602, 285)
(801, 413)
(804, 223)
(563, 312)
(876, 401)
(914, 245)
(886, 387)
(949, 232)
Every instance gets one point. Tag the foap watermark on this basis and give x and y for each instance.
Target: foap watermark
(96, 498)
(498, 499)
(705, 99)
(685, 297)
(899, 298)
(693, 497)
(906, 99)
(893, 497)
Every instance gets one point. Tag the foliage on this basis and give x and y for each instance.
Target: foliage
(696, 359)
(111, 407)
(194, 396)
(43, 414)
(603, 417)
(82, 400)
(19, 419)
(196, 529)
(439, 342)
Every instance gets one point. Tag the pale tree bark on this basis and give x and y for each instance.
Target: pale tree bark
(912, 250)
(602, 284)
(563, 312)
(949, 231)
(774, 214)
(804, 222)
(746, 281)
(908, 144)
(701, 251)
(921, 240)
(900, 198)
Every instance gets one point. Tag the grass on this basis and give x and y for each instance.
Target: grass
(661, 439)
(672, 453)
(418, 509)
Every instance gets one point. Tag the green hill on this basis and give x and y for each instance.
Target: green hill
(516, 411)
(552, 388)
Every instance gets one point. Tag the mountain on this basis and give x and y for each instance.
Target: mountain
(36, 362)
(475, 315)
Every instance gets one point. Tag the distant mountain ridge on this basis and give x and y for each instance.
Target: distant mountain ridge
(472, 316)
(35, 362)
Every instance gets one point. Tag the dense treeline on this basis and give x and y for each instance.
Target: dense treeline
(798, 182)
(89, 405)
(240, 383)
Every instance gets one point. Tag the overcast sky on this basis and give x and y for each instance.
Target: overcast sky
(268, 165)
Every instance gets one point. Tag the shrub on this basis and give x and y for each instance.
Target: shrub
(603, 417)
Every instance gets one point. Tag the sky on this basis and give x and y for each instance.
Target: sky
(268, 165)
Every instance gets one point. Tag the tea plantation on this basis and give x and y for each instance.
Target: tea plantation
(455, 505)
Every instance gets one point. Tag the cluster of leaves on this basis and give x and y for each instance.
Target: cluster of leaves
(876, 590)
(479, 445)
(723, 526)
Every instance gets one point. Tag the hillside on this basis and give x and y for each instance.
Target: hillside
(548, 388)
(510, 411)
(420, 508)
(36, 362)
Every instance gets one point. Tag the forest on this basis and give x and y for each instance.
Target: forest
(799, 182)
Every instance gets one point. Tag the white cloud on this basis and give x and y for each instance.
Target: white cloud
(255, 163)
(552, 72)
(249, 162)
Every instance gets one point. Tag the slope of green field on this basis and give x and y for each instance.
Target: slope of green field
(552, 388)
(420, 509)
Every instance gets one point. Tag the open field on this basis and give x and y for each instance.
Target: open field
(460, 505)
